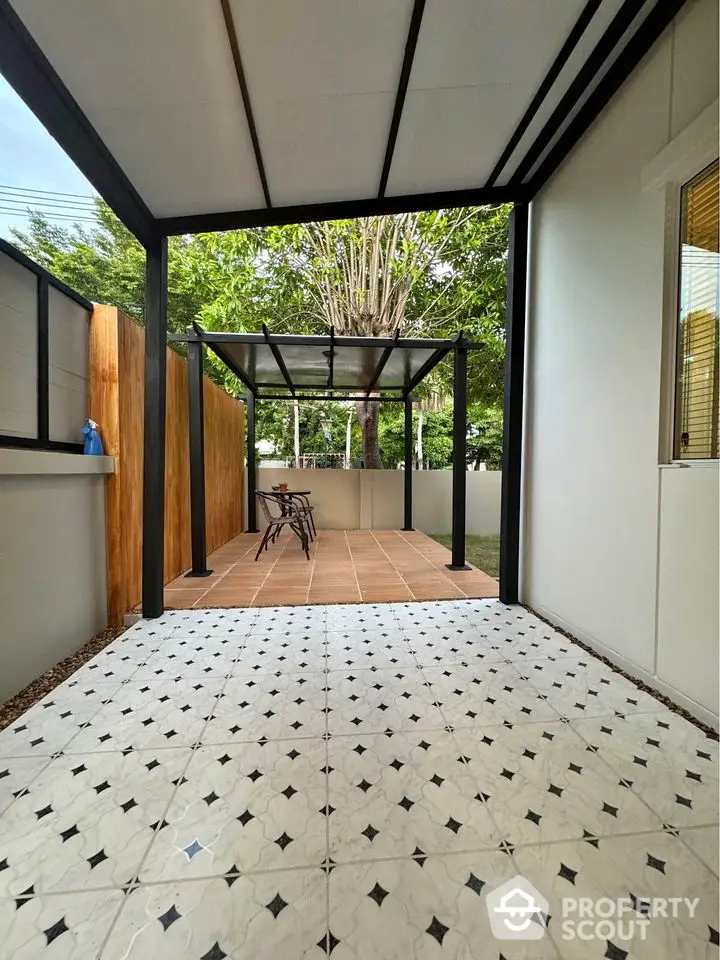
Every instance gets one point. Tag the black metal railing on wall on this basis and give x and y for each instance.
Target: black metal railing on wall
(44, 283)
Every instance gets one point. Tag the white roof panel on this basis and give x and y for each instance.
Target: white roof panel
(194, 98)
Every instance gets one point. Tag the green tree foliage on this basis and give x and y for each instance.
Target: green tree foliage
(434, 274)
(484, 444)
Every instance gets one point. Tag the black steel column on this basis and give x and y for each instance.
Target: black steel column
(153, 545)
(252, 526)
(197, 461)
(459, 482)
(43, 359)
(407, 499)
(513, 405)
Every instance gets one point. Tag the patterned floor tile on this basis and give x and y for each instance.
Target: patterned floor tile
(395, 795)
(671, 764)
(585, 687)
(55, 720)
(153, 713)
(705, 844)
(192, 658)
(271, 915)
(16, 775)
(365, 649)
(70, 926)
(436, 646)
(87, 820)
(427, 909)
(269, 707)
(632, 868)
(542, 783)
(368, 701)
(473, 696)
(277, 654)
(411, 756)
(245, 807)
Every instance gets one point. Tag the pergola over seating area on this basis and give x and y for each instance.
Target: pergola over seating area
(304, 367)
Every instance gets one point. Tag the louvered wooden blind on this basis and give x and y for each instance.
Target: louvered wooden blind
(698, 416)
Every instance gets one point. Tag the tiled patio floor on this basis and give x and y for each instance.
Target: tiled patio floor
(347, 780)
(345, 566)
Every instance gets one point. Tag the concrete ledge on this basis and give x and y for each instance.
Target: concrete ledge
(14, 461)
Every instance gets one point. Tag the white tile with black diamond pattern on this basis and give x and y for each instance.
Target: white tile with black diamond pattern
(347, 781)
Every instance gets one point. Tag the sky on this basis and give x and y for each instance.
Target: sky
(31, 158)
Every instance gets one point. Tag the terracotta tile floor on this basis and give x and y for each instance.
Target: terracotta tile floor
(345, 566)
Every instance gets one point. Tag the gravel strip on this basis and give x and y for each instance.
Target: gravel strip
(22, 701)
(666, 701)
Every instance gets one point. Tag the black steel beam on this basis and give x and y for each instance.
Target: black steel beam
(595, 62)
(198, 534)
(339, 210)
(579, 28)
(211, 337)
(252, 526)
(408, 468)
(338, 398)
(274, 349)
(513, 406)
(153, 545)
(29, 72)
(459, 461)
(9, 250)
(242, 83)
(322, 387)
(43, 359)
(406, 68)
(654, 25)
(432, 361)
(229, 363)
(34, 443)
(385, 356)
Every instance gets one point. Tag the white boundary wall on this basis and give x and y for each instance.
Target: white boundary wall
(373, 499)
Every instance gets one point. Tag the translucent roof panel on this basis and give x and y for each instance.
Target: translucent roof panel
(343, 364)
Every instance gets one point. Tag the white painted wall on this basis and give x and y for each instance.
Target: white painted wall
(52, 560)
(373, 499)
(595, 508)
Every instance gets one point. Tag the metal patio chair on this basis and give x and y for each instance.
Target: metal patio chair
(306, 508)
(288, 515)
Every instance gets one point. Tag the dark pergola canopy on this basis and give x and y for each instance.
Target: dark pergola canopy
(326, 368)
(327, 364)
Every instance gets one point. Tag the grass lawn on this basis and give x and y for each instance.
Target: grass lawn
(481, 552)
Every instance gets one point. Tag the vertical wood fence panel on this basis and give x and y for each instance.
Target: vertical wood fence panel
(117, 346)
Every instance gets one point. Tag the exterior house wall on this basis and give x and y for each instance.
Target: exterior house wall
(619, 549)
(52, 560)
(373, 499)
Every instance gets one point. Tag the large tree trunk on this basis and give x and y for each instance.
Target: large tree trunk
(368, 413)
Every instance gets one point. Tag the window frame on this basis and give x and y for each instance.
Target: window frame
(684, 157)
(678, 395)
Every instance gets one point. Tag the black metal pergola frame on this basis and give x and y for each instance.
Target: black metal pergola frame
(615, 55)
(364, 389)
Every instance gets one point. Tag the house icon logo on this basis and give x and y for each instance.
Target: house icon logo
(517, 911)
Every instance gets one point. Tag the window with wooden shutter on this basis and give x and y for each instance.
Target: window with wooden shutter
(698, 414)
